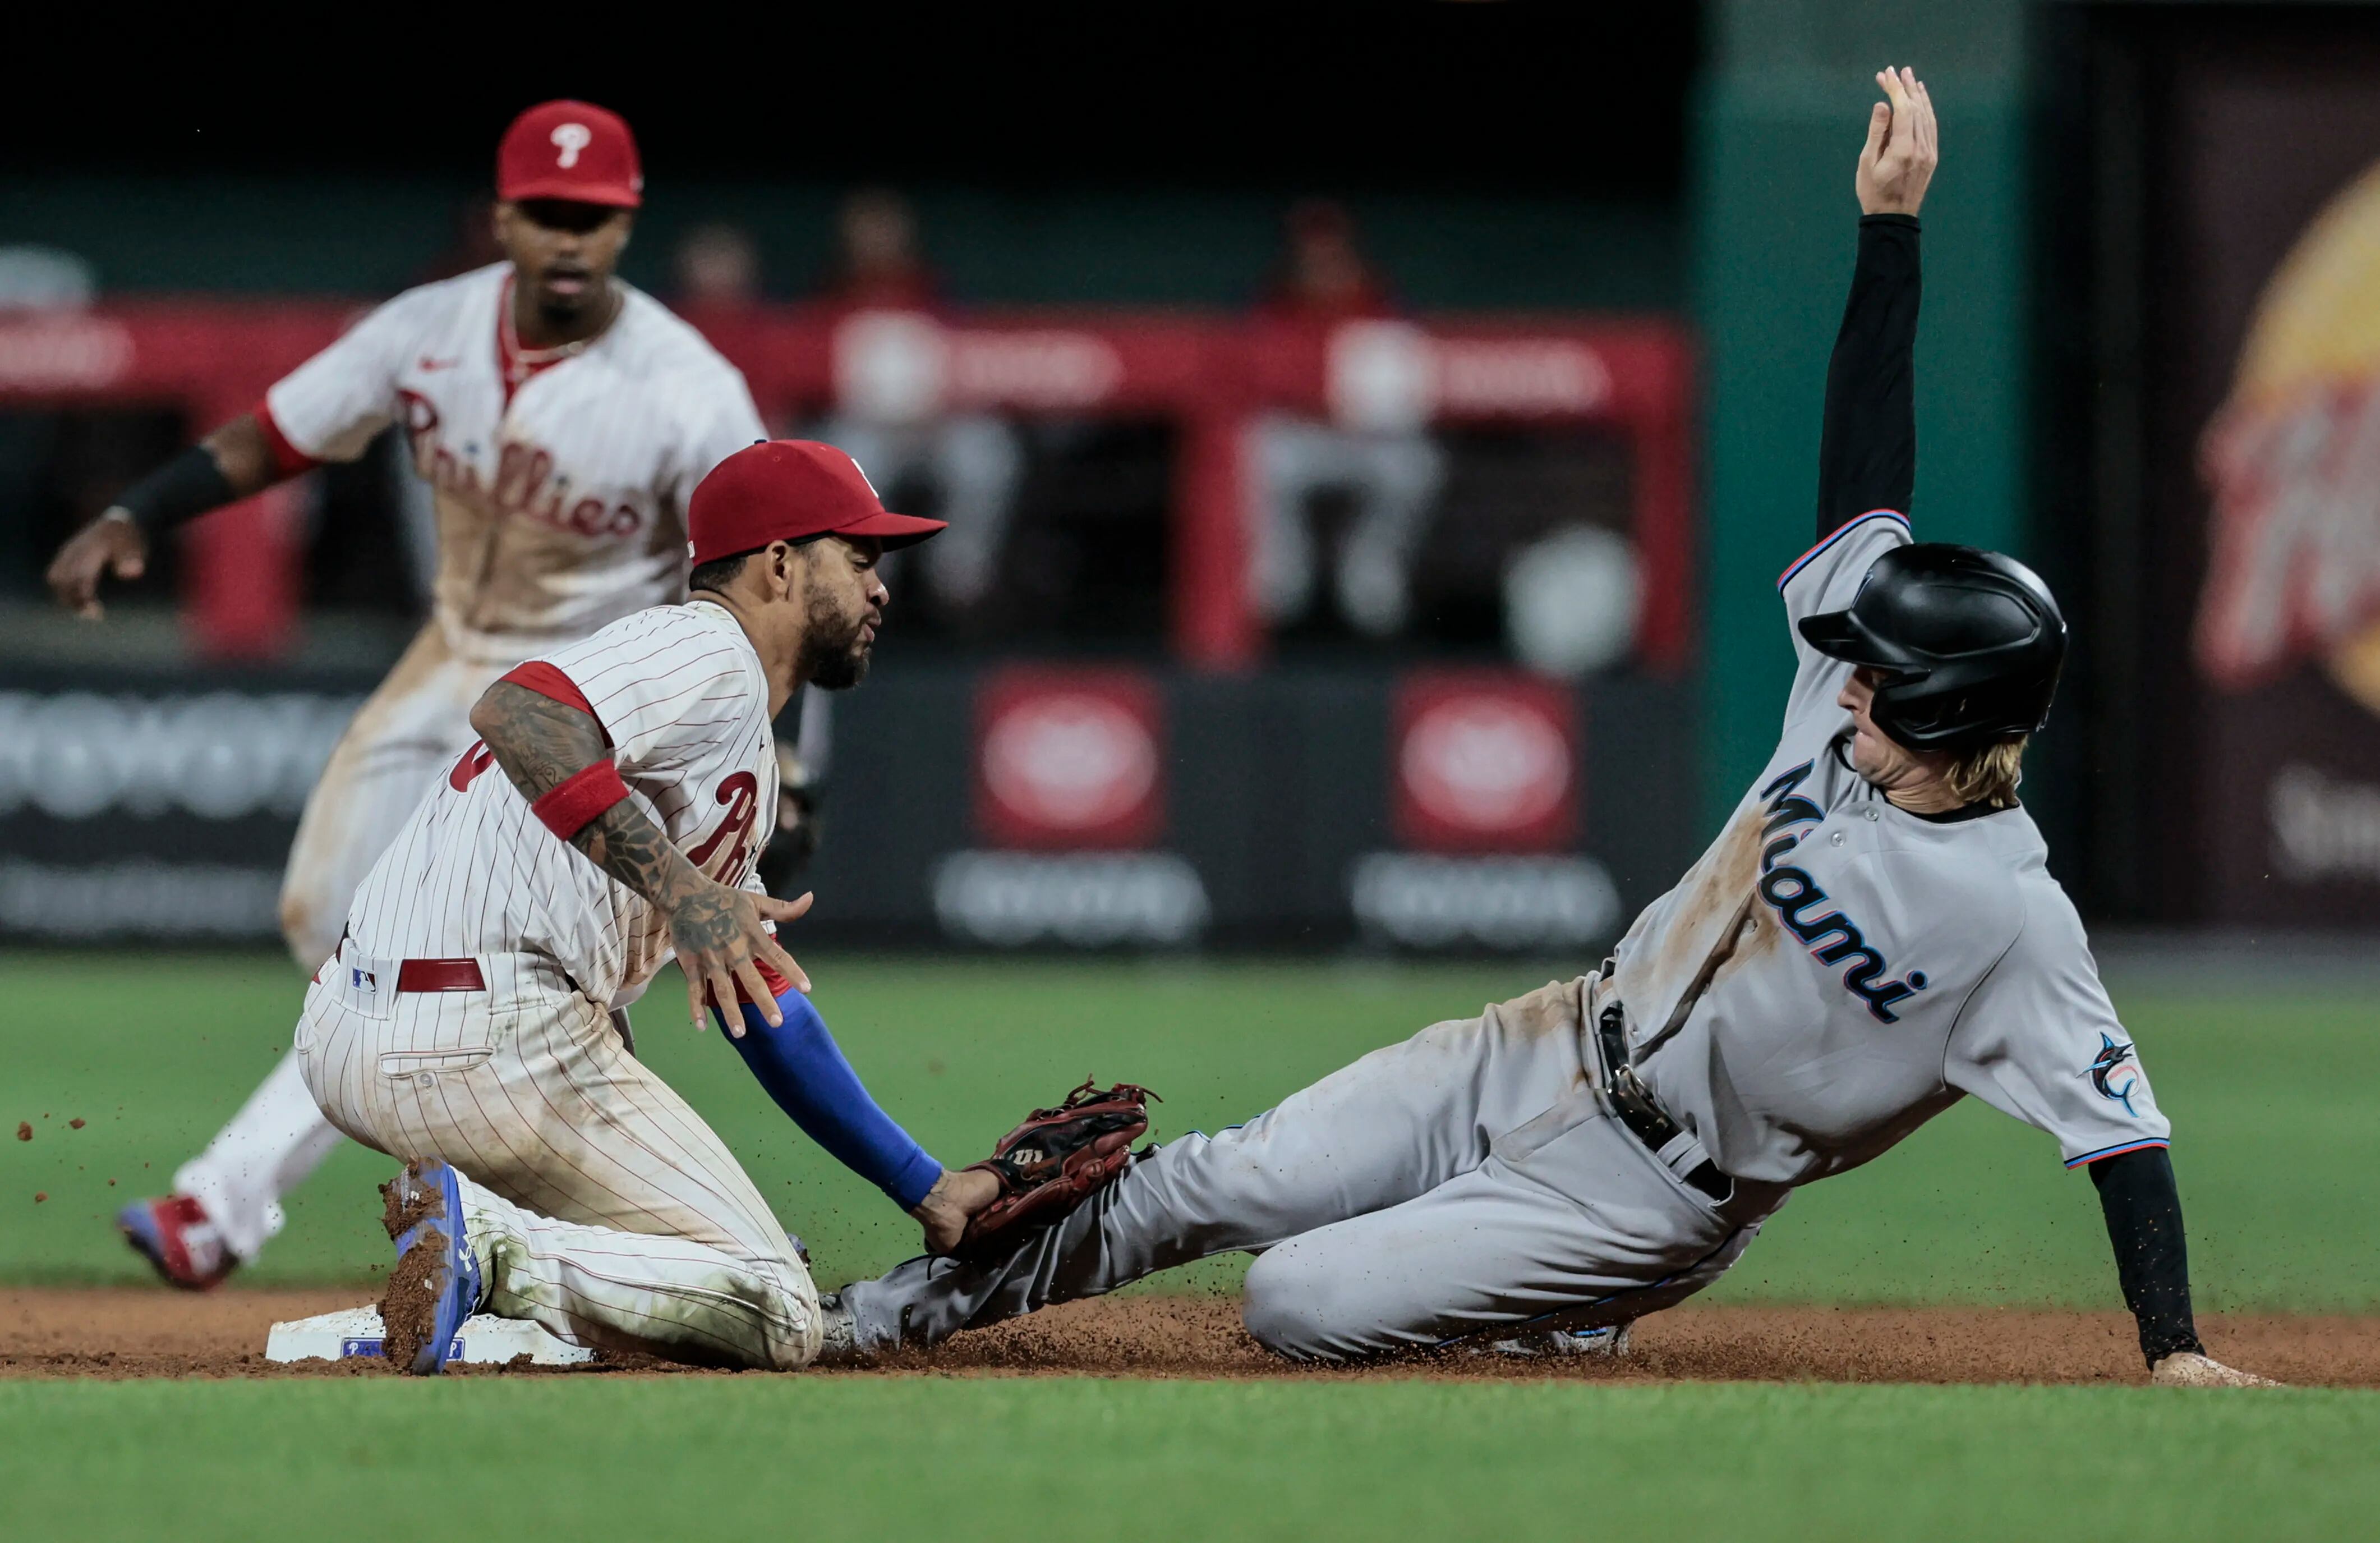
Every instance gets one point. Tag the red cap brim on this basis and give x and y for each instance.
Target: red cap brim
(562, 190)
(894, 530)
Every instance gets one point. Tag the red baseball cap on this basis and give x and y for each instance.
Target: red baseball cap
(570, 150)
(786, 490)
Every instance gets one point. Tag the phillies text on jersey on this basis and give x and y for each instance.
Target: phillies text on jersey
(561, 478)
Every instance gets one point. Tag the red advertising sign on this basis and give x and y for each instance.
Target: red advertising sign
(1069, 759)
(1484, 761)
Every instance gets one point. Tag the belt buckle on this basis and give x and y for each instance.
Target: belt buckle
(1611, 1033)
(1628, 1091)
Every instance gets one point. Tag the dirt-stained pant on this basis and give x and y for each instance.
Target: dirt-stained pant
(598, 1203)
(1468, 1180)
(407, 730)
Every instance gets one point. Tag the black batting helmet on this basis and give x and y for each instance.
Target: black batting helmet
(1969, 643)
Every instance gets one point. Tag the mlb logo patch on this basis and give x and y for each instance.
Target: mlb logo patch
(363, 980)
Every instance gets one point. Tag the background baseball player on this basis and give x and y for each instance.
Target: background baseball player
(1873, 936)
(561, 420)
(464, 1024)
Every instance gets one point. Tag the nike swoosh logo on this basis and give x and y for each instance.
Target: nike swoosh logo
(426, 363)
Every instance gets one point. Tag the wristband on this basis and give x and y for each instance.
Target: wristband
(568, 806)
(183, 489)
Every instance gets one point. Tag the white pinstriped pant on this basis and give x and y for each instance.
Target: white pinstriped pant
(598, 1203)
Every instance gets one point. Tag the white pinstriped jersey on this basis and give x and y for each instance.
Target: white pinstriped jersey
(1876, 965)
(683, 699)
(560, 486)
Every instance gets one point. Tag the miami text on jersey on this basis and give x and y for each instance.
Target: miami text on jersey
(1831, 937)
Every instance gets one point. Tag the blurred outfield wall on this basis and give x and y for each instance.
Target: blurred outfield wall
(366, 235)
(1761, 261)
(1029, 804)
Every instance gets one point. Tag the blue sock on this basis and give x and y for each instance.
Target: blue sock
(804, 1070)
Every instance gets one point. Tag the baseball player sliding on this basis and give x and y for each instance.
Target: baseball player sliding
(1872, 937)
(610, 814)
(562, 419)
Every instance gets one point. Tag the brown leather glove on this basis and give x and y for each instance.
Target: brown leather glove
(1055, 1160)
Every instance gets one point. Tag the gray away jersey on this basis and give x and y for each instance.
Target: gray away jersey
(1873, 966)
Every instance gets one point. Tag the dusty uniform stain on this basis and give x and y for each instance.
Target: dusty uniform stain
(409, 1301)
(1703, 918)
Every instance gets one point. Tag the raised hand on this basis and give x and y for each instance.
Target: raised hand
(1902, 149)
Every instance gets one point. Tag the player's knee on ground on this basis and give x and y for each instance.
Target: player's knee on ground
(794, 1301)
(770, 1302)
(1297, 1303)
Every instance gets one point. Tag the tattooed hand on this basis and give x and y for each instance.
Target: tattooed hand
(541, 743)
(718, 939)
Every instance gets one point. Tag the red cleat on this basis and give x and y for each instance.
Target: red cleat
(175, 1235)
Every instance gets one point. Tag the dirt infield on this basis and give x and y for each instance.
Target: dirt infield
(134, 1333)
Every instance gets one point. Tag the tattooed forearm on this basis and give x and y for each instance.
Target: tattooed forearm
(541, 744)
(720, 933)
(627, 844)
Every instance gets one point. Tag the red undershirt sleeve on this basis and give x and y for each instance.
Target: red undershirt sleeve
(287, 459)
(547, 681)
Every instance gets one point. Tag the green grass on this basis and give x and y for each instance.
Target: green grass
(932, 1458)
(2270, 1099)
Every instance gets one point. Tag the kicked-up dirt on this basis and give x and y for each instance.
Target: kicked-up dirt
(135, 1332)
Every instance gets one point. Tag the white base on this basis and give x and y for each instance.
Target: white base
(356, 1331)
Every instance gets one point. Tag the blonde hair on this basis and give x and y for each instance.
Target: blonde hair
(1989, 775)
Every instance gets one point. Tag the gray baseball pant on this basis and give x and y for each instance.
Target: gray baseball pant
(1466, 1181)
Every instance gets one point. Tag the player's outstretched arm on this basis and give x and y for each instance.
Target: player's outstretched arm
(2143, 1208)
(542, 744)
(228, 465)
(800, 1066)
(1868, 450)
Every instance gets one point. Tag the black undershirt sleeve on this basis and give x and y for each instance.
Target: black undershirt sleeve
(2144, 1211)
(183, 489)
(1867, 451)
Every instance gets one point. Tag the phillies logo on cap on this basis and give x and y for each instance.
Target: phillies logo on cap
(570, 139)
(1069, 759)
(1483, 760)
(572, 151)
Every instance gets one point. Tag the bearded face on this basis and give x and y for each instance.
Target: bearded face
(838, 631)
